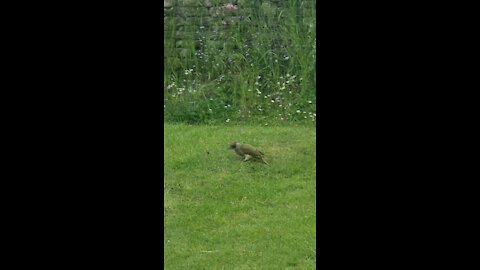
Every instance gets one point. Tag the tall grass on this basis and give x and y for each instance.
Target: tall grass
(254, 63)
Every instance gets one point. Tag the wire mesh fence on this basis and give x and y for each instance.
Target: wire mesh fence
(234, 43)
(190, 26)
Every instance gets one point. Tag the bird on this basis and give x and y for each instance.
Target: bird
(247, 151)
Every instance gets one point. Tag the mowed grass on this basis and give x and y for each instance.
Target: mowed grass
(222, 213)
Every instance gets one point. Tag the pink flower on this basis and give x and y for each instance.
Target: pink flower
(230, 6)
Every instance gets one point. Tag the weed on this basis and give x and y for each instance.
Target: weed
(243, 62)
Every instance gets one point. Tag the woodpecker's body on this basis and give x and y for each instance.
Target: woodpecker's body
(247, 151)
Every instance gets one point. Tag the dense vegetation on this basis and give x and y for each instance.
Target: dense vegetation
(250, 62)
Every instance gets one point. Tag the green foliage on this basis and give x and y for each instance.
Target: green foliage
(223, 213)
(252, 64)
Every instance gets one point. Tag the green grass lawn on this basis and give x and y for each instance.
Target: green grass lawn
(222, 213)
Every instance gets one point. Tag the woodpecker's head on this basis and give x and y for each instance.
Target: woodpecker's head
(232, 145)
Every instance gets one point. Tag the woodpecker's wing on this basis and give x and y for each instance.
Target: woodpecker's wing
(249, 149)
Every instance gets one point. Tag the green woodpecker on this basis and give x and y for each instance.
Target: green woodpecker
(247, 151)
